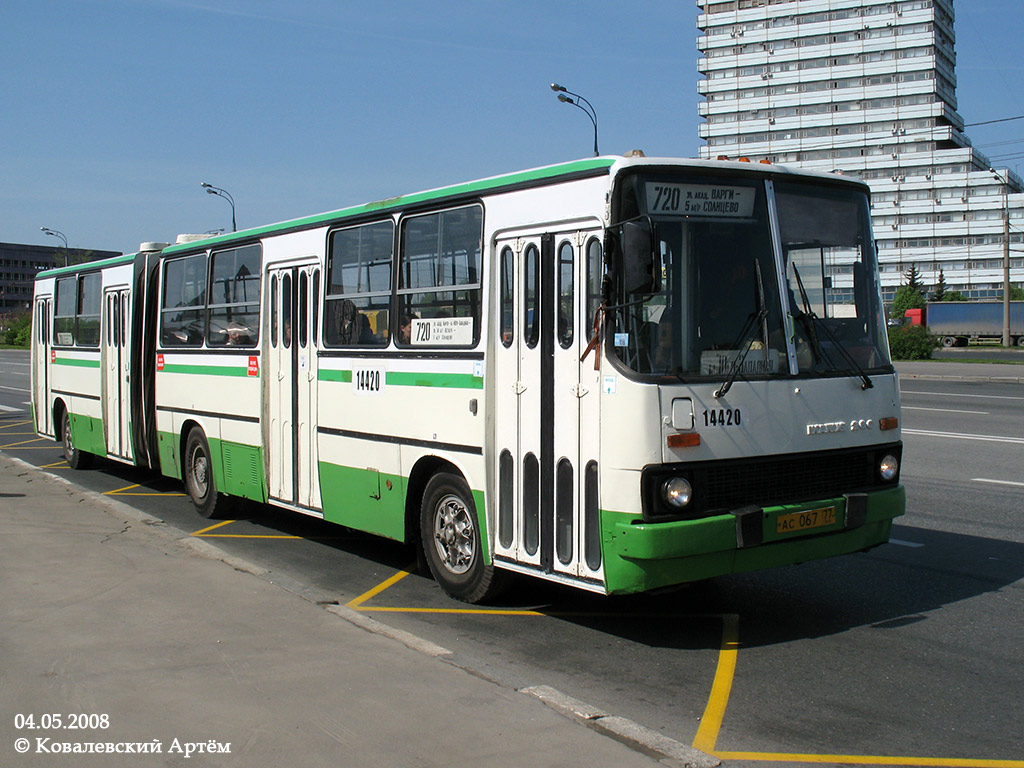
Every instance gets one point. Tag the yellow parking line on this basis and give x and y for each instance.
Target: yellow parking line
(714, 712)
(213, 527)
(15, 424)
(474, 611)
(63, 463)
(245, 536)
(377, 590)
(928, 762)
(35, 440)
(123, 492)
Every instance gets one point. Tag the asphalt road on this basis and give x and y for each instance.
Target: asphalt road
(909, 654)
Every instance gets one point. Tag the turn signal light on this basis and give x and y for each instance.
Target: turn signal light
(888, 423)
(684, 440)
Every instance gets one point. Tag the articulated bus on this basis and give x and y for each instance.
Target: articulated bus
(617, 373)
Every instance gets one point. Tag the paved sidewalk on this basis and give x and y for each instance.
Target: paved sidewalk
(107, 613)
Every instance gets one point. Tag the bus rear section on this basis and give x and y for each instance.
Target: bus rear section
(85, 333)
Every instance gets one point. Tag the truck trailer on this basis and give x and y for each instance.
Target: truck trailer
(957, 322)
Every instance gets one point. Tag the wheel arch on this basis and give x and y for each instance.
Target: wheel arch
(425, 468)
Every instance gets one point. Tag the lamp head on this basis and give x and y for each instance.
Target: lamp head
(557, 87)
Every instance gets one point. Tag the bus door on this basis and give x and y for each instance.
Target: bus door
(290, 386)
(114, 348)
(41, 366)
(546, 405)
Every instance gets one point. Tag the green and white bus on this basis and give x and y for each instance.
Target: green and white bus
(616, 373)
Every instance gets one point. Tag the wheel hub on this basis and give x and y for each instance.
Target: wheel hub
(453, 534)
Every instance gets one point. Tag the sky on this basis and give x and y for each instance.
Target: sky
(112, 112)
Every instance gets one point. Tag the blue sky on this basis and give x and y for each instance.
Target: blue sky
(113, 111)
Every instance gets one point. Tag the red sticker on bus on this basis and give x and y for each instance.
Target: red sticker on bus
(159, 362)
(53, 355)
(254, 365)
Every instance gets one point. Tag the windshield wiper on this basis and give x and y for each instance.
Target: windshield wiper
(746, 336)
(817, 322)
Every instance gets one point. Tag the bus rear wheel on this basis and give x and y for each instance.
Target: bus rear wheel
(451, 540)
(198, 475)
(75, 458)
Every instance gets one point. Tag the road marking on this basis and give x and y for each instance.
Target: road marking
(931, 762)
(377, 590)
(123, 492)
(956, 394)
(1014, 483)
(9, 409)
(902, 543)
(23, 443)
(213, 527)
(963, 436)
(941, 410)
(721, 687)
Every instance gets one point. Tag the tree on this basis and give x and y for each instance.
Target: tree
(914, 279)
(1016, 293)
(939, 294)
(18, 330)
(909, 296)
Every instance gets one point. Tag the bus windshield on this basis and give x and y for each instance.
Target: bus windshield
(717, 307)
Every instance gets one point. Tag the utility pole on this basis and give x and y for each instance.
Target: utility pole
(1006, 255)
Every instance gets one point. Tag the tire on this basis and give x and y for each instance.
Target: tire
(450, 534)
(1020, 341)
(76, 459)
(949, 341)
(197, 471)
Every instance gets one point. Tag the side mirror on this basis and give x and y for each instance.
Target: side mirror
(639, 274)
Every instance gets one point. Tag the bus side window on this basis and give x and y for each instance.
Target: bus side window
(566, 295)
(358, 285)
(595, 276)
(440, 275)
(531, 296)
(507, 301)
(273, 311)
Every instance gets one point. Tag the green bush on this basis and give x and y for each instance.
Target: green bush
(911, 342)
(18, 331)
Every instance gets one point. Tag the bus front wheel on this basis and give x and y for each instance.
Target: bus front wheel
(75, 458)
(199, 481)
(450, 534)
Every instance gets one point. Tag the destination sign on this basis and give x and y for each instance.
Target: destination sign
(705, 200)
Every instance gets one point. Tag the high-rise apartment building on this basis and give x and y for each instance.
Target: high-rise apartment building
(866, 88)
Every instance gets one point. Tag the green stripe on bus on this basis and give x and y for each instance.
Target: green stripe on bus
(112, 261)
(453, 380)
(345, 377)
(412, 379)
(76, 362)
(208, 370)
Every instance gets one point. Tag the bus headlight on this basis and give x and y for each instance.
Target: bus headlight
(677, 492)
(888, 467)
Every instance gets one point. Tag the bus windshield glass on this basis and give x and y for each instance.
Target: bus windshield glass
(716, 306)
(831, 277)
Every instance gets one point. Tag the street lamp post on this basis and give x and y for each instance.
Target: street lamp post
(568, 97)
(62, 236)
(210, 189)
(1006, 256)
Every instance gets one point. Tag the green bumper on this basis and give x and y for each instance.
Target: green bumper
(644, 556)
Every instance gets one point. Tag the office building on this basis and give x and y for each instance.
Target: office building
(865, 88)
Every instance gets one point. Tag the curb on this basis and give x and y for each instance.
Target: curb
(644, 740)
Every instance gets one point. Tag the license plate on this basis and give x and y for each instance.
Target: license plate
(794, 522)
